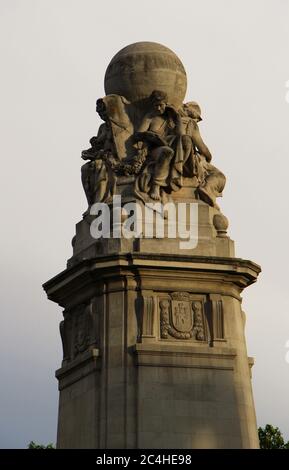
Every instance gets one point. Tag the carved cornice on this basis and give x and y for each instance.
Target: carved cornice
(227, 276)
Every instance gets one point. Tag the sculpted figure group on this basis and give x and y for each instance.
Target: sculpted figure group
(156, 143)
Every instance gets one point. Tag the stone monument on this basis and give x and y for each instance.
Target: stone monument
(154, 352)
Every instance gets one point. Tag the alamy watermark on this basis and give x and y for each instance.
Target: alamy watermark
(151, 220)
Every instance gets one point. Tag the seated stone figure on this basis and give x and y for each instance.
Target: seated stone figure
(159, 132)
(175, 150)
(197, 157)
(111, 145)
(96, 176)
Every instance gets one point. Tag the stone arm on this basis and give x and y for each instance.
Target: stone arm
(175, 122)
(179, 128)
(98, 141)
(198, 141)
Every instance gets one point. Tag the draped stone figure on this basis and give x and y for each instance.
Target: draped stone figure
(159, 132)
(155, 143)
(111, 144)
(197, 156)
(175, 149)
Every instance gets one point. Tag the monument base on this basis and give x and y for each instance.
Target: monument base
(154, 353)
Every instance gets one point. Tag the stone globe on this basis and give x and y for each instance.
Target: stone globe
(138, 69)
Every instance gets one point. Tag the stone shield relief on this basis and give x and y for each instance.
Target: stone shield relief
(182, 317)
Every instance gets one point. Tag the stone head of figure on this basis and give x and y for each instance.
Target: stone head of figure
(192, 110)
(159, 101)
(101, 109)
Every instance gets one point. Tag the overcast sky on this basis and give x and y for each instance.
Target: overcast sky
(54, 54)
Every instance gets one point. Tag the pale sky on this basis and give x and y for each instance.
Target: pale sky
(54, 54)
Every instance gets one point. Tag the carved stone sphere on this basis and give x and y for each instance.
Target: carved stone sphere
(138, 69)
(221, 224)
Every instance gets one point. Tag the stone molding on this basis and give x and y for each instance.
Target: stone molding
(83, 365)
(174, 355)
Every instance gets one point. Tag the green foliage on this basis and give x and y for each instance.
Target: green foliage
(271, 438)
(33, 445)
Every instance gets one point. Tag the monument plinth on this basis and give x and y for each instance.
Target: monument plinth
(154, 352)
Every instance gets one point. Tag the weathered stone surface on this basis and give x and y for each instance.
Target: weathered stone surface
(154, 352)
(138, 69)
(185, 391)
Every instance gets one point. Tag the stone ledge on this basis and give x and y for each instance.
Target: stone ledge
(172, 355)
(84, 365)
(134, 259)
(77, 283)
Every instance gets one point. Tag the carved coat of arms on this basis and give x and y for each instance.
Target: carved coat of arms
(181, 317)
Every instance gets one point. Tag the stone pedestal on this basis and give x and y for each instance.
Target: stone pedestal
(154, 348)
